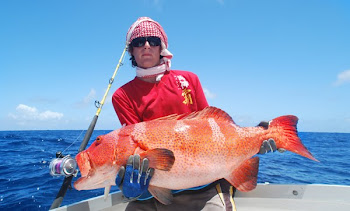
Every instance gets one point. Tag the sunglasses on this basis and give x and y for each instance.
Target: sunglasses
(141, 41)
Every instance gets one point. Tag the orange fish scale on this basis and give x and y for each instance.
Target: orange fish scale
(189, 140)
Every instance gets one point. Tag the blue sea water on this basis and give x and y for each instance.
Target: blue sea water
(25, 182)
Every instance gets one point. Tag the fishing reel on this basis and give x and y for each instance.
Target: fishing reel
(63, 166)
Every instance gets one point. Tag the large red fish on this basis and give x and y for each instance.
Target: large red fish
(186, 151)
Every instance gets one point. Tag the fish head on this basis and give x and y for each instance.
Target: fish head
(99, 164)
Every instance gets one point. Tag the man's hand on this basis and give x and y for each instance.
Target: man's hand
(269, 146)
(133, 181)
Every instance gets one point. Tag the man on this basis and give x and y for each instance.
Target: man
(158, 91)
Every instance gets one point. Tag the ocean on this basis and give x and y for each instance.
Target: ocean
(25, 182)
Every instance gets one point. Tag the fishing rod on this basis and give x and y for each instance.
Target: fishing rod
(65, 165)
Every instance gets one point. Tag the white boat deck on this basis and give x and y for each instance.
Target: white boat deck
(295, 197)
(265, 197)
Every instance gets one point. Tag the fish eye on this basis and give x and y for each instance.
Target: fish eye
(98, 140)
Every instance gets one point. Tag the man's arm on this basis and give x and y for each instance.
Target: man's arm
(122, 107)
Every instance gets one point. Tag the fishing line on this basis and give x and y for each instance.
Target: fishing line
(73, 141)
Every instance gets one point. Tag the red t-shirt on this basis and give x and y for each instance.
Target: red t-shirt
(177, 92)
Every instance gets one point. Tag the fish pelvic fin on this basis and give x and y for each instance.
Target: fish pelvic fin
(285, 134)
(159, 158)
(163, 195)
(244, 178)
(106, 192)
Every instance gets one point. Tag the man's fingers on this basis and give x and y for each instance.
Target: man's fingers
(144, 166)
(151, 172)
(130, 160)
(120, 177)
(136, 163)
(148, 176)
(121, 172)
(266, 146)
(128, 176)
(263, 148)
(272, 145)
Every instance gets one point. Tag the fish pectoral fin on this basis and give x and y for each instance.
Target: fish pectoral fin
(107, 189)
(163, 195)
(159, 158)
(244, 178)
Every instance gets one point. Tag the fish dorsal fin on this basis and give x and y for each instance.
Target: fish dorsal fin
(206, 113)
(169, 117)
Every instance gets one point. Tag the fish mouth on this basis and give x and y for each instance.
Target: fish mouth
(101, 177)
(84, 163)
(92, 176)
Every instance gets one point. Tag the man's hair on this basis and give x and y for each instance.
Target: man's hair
(132, 58)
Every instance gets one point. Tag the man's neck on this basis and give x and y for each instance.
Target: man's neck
(149, 80)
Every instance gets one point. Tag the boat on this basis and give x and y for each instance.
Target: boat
(265, 196)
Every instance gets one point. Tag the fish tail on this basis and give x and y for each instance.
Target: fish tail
(285, 134)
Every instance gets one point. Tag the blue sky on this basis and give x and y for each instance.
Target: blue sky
(256, 59)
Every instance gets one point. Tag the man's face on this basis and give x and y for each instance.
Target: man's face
(146, 56)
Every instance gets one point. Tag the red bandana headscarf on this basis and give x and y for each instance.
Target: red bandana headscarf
(145, 27)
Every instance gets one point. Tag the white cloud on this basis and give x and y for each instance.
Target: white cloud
(90, 97)
(343, 77)
(47, 115)
(26, 109)
(87, 99)
(24, 112)
(208, 94)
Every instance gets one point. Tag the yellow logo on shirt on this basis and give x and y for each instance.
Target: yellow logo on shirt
(183, 84)
(187, 95)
